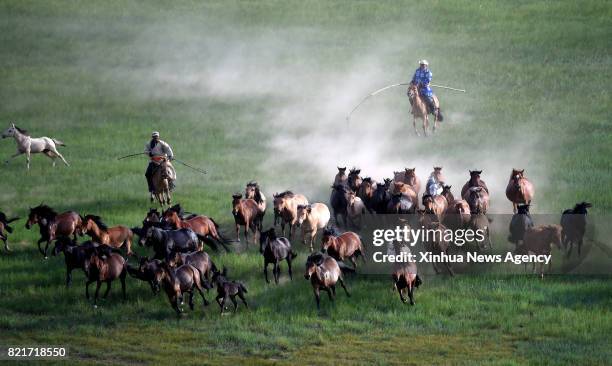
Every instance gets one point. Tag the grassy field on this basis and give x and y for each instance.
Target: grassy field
(260, 90)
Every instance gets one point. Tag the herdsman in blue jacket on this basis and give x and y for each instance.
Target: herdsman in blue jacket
(422, 78)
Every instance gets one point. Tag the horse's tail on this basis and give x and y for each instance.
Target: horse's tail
(58, 142)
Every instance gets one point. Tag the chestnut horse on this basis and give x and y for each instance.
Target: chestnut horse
(323, 272)
(201, 225)
(161, 182)
(420, 110)
(246, 213)
(53, 225)
(458, 215)
(519, 189)
(366, 193)
(478, 199)
(409, 177)
(436, 205)
(346, 245)
(474, 181)
(116, 236)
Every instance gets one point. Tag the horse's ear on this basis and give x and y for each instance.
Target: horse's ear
(523, 171)
(13, 125)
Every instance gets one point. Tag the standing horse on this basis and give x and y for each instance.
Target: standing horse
(116, 236)
(29, 145)
(246, 213)
(519, 189)
(474, 181)
(53, 225)
(5, 229)
(420, 110)
(204, 226)
(161, 182)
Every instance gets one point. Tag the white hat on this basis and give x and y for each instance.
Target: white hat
(423, 62)
(155, 134)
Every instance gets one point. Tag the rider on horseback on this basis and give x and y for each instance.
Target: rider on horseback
(422, 78)
(158, 150)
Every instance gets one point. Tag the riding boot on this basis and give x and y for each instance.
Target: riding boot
(149, 176)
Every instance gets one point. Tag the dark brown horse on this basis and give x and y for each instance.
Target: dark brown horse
(519, 189)
(53, 225)
(341, 177)
(342, 246)
(104, 267)
(228, 290)
(458, 215)
(409, 177)
(116, 236)
(177, 282)
(354, 180)
(201, 225)
(275, 250)
(366, 193)
(539, 241)
(323, 272)
(246, 213)
(253, 191)
(200, 260)
(474, 181)
(446, 193)
(478, 199)
(573, 223)
(436, 205)
(5, 229)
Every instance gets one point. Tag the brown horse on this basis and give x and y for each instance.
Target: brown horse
(341, 177)
(53, 225)
(246, 213)
(104, 267)
(406, 190)
(323, 272)
(479, 222)
(202, 225)
(200, 260)
(409, 177)
(474, 181)
(519, 189)
(342, 246)
(457, 215)
(286, 204)
(161, 179)
(178, 281)
(116, 236)
(405, 277)
(436, 205)
(435, 242)
(478, 199)
(354, 180)
(539, 240)
(420, 110)
(446, 193)
(366, 193)
(253, 191)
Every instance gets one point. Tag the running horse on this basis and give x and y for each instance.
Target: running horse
(162, 179)
(30, 145)
(420, 110)
(116, 236)
(202, 225)
(519, 189)
(53, 225)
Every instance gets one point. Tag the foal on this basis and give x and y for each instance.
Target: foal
(227, 289)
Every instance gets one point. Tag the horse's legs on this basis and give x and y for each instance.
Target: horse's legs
(68, 276)
(333, 290)
(266, 271)
(401, 295)
(276, 271)
(352, 259)
(47, 248)
(241, 296)
(39, 248)
(411, 294)
(98, 284)
(317, 294)
(122, 279)
(425, 124)
(313, 236)
(13, 156)
(108, 287)
(414, 125)
(233, 299)
(222, 304)
(28, 158)
(87, 288)
(246, 232)
(191, 299)
(54, 150)
(343, 286)
(237, 232)
(289, 269)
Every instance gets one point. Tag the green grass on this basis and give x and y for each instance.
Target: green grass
(99, 76)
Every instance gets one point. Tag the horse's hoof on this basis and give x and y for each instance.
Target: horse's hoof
(46, 257)
(95, 306)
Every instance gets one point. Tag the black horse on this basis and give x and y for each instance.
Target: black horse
(381, 197)
(339, 201)
(573, 223)
(521, 221)
(275, 250)
(227, 289)
(5, 229)
(166, 242)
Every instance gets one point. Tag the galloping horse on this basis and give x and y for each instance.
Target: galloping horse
(354, 180)
(419, 110)
(253, 191)
(519, 189)
(161, 182)
(53, 225)
(29, 145)
(116, 236)
(201, 225)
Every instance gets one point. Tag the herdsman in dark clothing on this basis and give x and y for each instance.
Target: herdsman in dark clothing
(157, 150)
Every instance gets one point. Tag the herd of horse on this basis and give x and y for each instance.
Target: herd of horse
(179, 265)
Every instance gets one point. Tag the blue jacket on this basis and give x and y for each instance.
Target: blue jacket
(423, 77)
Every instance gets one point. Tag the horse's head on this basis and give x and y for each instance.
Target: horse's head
(329, 237)
(413, 91)
(409, 172)
(9, 132)
(475, 175)
(581, 208)
(170, 217)
(236, 201)
(32, 218)
(517, 175)
(148, 234)
(312, 262)
(250, 190)
(302, 213)
(428, 202)
(265, 237)
(387, 182)
(341, 171)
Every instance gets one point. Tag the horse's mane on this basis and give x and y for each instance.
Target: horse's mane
(98, 221)
(24, 132)
(44, 211)
(286, 194)
(331, 231)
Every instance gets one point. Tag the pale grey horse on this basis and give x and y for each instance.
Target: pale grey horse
(29, 145)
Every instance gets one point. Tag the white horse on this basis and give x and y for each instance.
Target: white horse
(28, 145)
